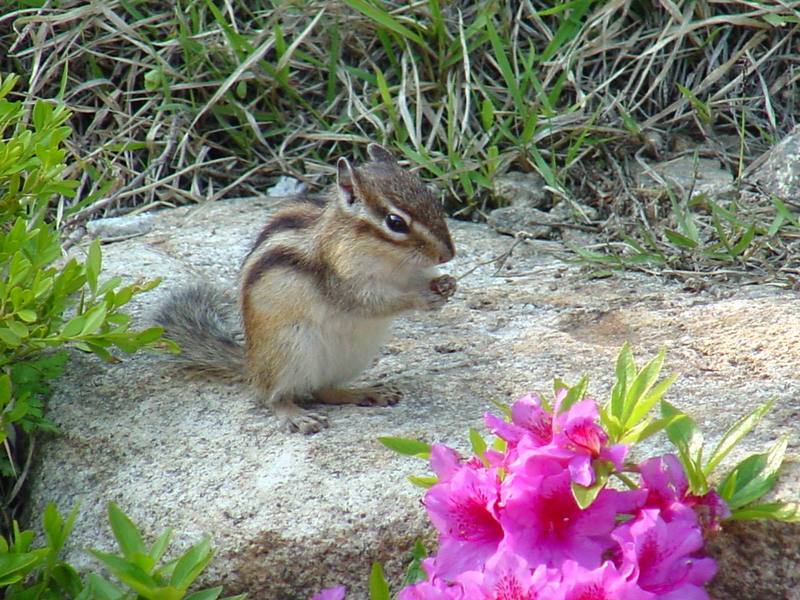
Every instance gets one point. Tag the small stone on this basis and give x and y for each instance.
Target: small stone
(520, 189)
(780, 173)
(685, 174)
(286, 186)
(120, 227)
(573, 212)
(512, 220)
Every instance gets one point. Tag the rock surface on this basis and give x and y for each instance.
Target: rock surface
(687, 174)
(290, 514)
(780, 172)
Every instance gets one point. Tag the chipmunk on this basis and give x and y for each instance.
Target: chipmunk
(319, 290)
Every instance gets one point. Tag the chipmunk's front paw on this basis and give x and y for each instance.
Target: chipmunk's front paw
(444, 286)
(439, 291)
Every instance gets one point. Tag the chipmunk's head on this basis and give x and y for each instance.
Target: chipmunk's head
(394, 208)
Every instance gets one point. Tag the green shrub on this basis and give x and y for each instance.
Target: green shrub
(47, 301)
(28, 573)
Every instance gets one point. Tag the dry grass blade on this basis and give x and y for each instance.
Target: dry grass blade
(250, 89)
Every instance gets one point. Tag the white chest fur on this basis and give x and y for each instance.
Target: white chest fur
(332, 348)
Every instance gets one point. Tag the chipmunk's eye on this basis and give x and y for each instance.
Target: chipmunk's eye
(396, 223)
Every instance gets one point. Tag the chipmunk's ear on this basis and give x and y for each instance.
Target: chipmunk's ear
(380, 154)
(345, 183)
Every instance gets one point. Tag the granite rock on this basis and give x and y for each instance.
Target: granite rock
(290, 514)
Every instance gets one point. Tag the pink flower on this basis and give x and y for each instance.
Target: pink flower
(577, 432)
(335, 593)
(510, 528)
(435, 588)
(508, 576)
(577, 441)
(668, 490)
(664, 555)
(463, 510)
(425, 590)
(528, 420)
(603, 583)
(444, 461)
(545, 525)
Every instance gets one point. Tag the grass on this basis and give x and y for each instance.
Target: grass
(194, 100)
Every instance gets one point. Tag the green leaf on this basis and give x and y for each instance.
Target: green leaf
(775, 20)
(680, 240)
(478, 443)
(56, 529)
(385, 19)
(13, 567)
(754, 476)
(509, 76)
(645, 404)
(73, 327)
(128, 573)
(5, 390)
(734, 434)
(648, 428)
(407, 446)
(688, 440)
(378, 586)
(18, 329)
(9, 337)
(191, 564)
(487, 114)
(702, 109)
(744, 241)
(125, 532)
(639, 388)
(505, 409)
(625, 372)
(784, 212)
(584, 496)
(67, 578)
(93, 265)
(160, 546)
(27, 314)
(100, 589)
(22, 540)
(415, 573)
(569, 26)
(94, 319)
(210, 594)
(423, 482)
(149, 335)
(788, 512)
(575, 393)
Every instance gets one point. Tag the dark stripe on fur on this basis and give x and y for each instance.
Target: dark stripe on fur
(282, 257)
(284, 221)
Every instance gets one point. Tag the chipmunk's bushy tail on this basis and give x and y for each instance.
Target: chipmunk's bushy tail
(203, 322)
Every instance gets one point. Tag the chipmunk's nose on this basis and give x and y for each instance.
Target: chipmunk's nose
(449, 252)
